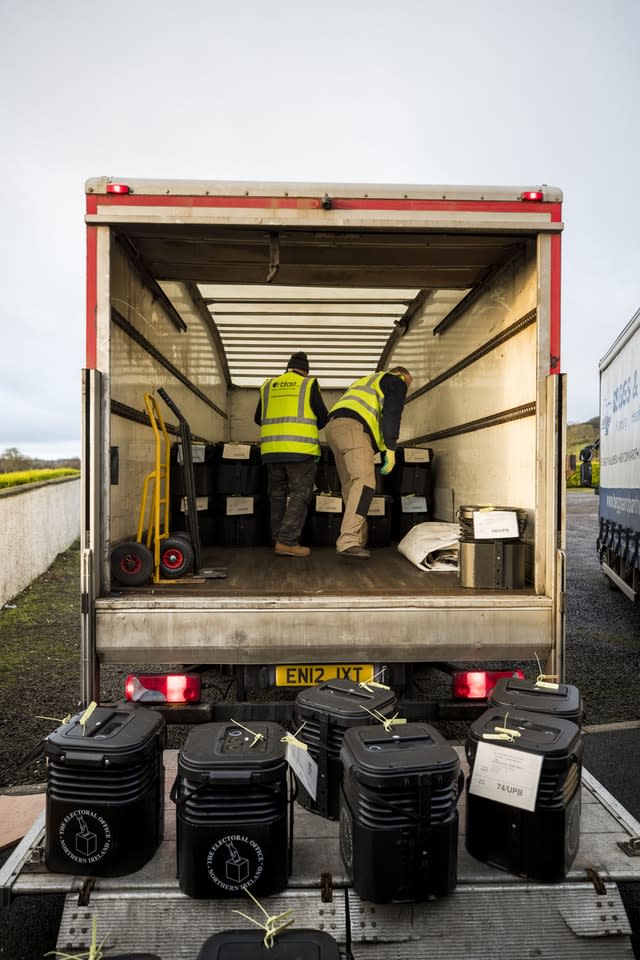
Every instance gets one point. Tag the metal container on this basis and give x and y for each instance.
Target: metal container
(231, 811)
(327, 712)
(105, 791)
(494, 562)
(398, 813)
(466, 515)
(540, 844)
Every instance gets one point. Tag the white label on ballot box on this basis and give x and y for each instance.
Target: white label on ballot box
(239, 505)
(326, 504)
(304, 767)
(201, 504)
(495, 524)
(413, 504)
(416, 455)
(236, 451)
(377, 507)
(197, 452)
(507, 776)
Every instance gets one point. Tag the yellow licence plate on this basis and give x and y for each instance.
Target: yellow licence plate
(309, 674)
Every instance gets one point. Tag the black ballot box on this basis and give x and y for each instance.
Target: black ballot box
(327, 712)
(412, 472)
(539, 842)
(324, 519)
(291, 944)
(202, 457)
(237, 469)
(231, 811)
(559, 700)
(327, 479)
(105, 791)
(408, 510)
(398, 812)
(241, 521)
(379, 521)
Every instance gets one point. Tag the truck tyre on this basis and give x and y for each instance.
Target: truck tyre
(131, 563)
(176, 556)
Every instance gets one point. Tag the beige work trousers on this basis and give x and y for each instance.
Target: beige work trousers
(353, 452)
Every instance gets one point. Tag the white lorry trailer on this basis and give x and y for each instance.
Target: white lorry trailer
(619, 532)
(206, 288)
(203, 289)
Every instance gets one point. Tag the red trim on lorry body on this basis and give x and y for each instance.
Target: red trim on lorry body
(555, 296)
(92, 297)
(337, 203)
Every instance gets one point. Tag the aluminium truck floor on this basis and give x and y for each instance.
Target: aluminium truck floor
(257, 571)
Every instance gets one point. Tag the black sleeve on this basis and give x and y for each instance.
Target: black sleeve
(318, 405)
(395, 391)
(257, 417)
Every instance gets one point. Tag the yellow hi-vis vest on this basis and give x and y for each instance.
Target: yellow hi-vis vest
(366, 398)
(288, 423)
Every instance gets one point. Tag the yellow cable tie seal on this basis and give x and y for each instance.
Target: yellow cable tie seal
(498, 736)
(274, 924)
(543, 678)
(509, 731)
(84, 719)
(94, 952)
(256, 736)
(292, 738)
(62, 722)
(370, 684)
(387, 722)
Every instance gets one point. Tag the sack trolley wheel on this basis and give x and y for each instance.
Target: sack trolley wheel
(176, 556)
(131, 563)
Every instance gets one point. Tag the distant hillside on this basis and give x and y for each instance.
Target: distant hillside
(580, 435)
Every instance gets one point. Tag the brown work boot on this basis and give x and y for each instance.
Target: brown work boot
(358, 552)
(291, 550)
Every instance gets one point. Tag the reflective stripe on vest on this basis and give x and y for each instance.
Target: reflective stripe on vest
(288, 423)
(366, 398)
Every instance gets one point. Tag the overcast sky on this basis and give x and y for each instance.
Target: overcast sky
(414, 91)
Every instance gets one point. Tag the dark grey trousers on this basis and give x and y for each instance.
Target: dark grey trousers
(290, 489)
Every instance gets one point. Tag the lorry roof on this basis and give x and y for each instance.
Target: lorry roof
(343, 284)
(164, 187)
(621, 340)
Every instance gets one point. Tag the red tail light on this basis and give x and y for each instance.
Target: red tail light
(163, 688)
(478, 684)
(532, 195)
(118, 188)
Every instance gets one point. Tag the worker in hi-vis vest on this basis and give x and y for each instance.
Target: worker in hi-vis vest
(364, 421)
(290, 413)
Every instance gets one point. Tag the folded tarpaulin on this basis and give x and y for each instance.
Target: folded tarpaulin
(432, 546)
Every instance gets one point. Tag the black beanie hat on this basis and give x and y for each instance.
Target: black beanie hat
(298, 361)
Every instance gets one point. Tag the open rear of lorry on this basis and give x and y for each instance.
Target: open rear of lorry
(206, 288)
(203, 290)
(619, 531)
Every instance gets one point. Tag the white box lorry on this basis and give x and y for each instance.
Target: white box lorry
(619, 510)
(205, 288)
